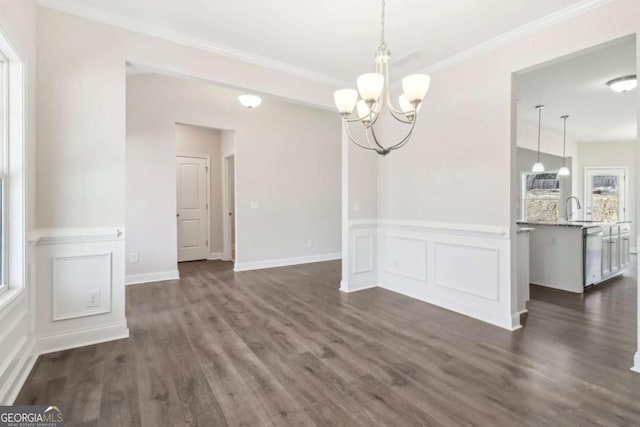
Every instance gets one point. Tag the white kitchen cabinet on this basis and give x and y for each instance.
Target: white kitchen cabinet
(615, 249)
(625, 250)
(606, 256)
(615, 252)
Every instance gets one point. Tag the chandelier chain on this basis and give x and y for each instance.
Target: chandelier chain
(383, 44)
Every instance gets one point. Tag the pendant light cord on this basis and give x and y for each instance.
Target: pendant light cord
(539, 124)
(564, 143)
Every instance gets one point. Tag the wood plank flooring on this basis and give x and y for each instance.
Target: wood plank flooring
(284, 347)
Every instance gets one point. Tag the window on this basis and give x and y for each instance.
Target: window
(605, 194)
(541, 197)
(13, 144)
(4, 119)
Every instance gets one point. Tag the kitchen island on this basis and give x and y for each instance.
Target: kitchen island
(577, 254)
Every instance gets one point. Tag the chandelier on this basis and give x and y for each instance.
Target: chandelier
(373, 89)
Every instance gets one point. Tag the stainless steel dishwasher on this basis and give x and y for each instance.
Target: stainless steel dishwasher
(592, 255)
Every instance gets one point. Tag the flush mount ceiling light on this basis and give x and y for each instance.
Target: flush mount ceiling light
(250, 101)
(564, 170)
(374, 94)
(538, 167)
(623, 84)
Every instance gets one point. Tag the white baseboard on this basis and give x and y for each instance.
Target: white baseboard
(9, 391)
(636, 363)
(214, 256)
(83, 337)
(355, 287)
(159, 276)
(283, 262)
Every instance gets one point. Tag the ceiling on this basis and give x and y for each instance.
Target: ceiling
(337, 38)
(576, 85)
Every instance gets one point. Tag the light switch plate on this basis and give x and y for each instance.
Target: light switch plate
(133, 257)
(255, 205)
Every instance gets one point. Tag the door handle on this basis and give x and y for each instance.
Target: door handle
(230, 214)
(177, 215)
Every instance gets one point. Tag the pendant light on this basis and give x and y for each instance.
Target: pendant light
(564, 170)
(538, 167)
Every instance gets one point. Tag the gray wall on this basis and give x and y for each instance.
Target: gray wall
(526, 158)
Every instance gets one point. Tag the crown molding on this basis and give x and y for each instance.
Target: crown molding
(518, 33)
(73, 7)
(76, 8)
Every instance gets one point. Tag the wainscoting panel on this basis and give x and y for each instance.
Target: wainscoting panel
(362, 268)
(79, 278)
(405, 257)
(464, 268)
(81, 285)
(468, 269)
(363, 250)
(17, 346)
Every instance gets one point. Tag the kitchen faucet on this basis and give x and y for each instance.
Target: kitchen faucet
(567, 206)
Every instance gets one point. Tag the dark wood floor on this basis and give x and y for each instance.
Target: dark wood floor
(285, 347)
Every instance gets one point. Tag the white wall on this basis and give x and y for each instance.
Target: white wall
(287, 158)
(455, 176)
(17, 313)
(80, 183)
(612, 154)
(81, 151)
(195, 140)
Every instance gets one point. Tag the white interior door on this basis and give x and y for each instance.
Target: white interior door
(192, 203)
(605, 194)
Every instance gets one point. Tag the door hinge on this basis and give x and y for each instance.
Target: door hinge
(207, 206)
(206, 168)
(207, 243)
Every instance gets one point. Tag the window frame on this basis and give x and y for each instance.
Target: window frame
(523, 192)
(4, 154)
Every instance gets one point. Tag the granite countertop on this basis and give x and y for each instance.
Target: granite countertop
(577, 224)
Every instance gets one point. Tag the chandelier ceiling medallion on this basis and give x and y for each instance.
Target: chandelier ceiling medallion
(373, 89)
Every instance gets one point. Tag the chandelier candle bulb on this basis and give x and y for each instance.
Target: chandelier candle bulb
(345, 100)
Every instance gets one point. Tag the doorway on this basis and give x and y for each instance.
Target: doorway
(229, 208)
(605, 194)
(192, 185)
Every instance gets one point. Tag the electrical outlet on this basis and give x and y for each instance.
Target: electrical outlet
(93, 299)
(356, 206)
(133, 257)
(309, 243)
(554, 241)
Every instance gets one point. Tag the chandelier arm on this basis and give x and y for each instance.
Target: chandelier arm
(366, 134)
(402, 141)
(375, 140)
(346, 126)
(385, 71)
(399, 118)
